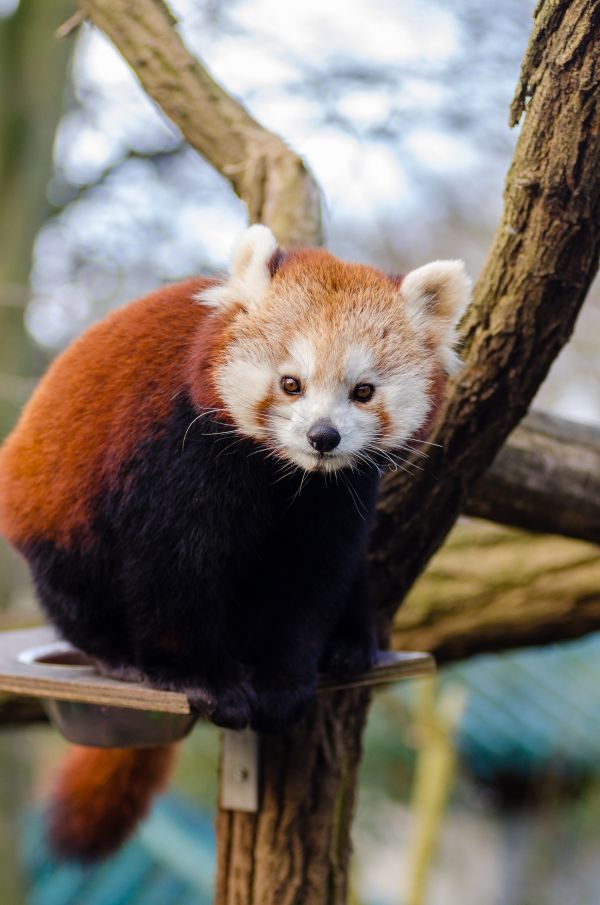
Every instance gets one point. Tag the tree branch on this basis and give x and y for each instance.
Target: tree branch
(20, 711)
(271, 179)
(542, 261)
(491, 589)
(545, 478)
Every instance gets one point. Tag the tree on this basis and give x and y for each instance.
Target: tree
(542, 261)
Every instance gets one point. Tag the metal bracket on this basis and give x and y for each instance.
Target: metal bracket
(239, 771)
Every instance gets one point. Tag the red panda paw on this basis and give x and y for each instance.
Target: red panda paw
(229, 706)
(349, 658)
(281, 703)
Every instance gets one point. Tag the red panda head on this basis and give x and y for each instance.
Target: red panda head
(328, 363)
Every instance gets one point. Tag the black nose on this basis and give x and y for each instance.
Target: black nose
(323, 436)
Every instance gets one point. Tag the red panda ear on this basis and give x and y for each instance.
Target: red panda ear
(436, 296)
(250, 272)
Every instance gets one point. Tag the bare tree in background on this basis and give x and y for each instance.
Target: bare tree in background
(295, 850)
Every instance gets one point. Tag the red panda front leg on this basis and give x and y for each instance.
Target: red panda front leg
(352, 646)
(286, 679)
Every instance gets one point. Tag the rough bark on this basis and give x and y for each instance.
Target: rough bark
(270, 178)
(296, 849)
(541, 263)
(545, 478)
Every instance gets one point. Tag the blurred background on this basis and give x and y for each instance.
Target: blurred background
(400, 108)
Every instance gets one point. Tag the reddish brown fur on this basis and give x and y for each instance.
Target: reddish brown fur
(385, 422)
(208, 351)
(334, 282)
(83, 440)
(100, 796)
(437, 393)
(262, 409)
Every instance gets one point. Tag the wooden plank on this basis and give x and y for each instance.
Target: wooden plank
(392, 666)
(21, 675)
(73, 683)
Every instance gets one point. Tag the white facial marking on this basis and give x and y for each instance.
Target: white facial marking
(303, 358)
(242, 383)
(359, 364)
(249, 278)
(407, 402)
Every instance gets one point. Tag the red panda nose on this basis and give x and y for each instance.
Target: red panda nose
(323, 436)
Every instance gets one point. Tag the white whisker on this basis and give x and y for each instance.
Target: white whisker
(354, 496)
(197, 418)
(426, 442)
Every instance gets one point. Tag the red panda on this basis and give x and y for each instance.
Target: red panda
(192, 484)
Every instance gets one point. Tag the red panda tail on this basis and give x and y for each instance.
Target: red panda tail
(100, 796)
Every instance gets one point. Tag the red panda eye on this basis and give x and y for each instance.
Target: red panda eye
(362, 392)
(291, 386)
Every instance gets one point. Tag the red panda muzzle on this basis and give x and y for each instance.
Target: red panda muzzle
(100, 796)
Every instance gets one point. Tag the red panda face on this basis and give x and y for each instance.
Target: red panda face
(330, 364)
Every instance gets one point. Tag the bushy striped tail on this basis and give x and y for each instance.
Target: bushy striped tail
(100, 796)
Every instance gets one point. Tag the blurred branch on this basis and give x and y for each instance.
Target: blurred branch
(436, 719)
(19, 711)
(71, 25)
(545, 478)
(270, 178)
(491, 588)
(542, 261)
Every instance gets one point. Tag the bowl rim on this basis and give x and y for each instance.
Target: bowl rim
(32, 656)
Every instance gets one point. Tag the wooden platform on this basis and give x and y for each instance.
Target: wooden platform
(20, 674)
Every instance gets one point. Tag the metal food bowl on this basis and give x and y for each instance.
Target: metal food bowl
(98, 725)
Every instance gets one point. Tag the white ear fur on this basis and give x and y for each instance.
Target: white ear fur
(436, 297)
(249, 273)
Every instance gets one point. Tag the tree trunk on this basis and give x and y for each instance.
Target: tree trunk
(31, 108)
(296, 848)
